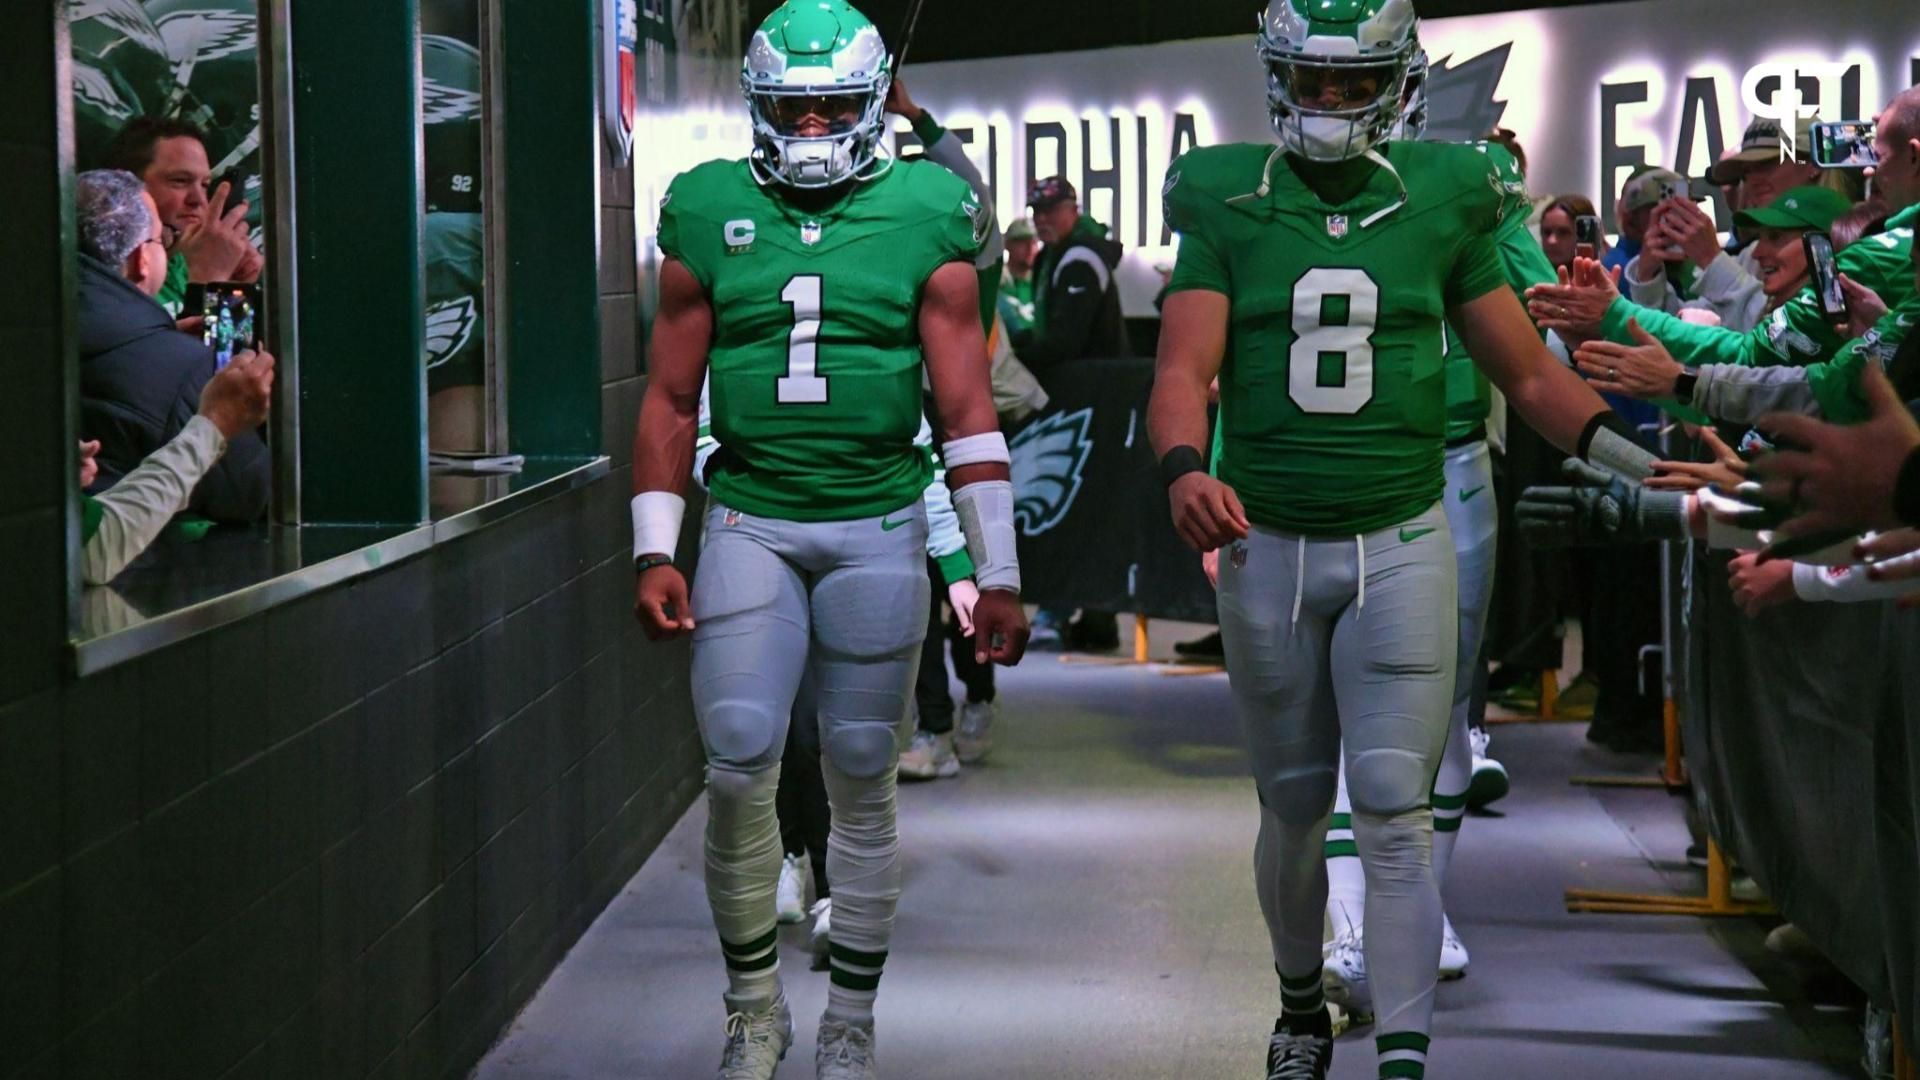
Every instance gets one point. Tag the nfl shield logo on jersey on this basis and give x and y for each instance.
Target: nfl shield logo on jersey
(810, 233)
(1337, 226)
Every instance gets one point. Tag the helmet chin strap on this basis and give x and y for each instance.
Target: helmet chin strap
(1266, 178)
(1374, 155)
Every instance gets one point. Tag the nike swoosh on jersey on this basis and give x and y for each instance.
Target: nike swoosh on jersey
(1471, 492)
(889, 526)
(1076, 290)
(1408, 536)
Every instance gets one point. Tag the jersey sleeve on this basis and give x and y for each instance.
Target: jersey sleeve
(1477, 270)
(676, 235)
(968, 221)
(1199, 264)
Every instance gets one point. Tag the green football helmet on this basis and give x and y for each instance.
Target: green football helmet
(1336, 73)
(120, 71)
(816, 77)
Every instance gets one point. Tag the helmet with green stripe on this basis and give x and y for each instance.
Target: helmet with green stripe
(1336, 72)
(816, 77)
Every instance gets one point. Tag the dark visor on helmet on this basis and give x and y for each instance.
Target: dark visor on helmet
(1331, 87)
(814, 115)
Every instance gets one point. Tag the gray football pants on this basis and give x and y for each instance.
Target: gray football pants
(1474, 519)
(1347, 644)
(770, 597)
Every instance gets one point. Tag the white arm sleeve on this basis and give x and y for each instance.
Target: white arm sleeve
(134, 510)
(1850, 584)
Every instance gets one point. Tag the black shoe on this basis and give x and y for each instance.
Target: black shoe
(1094, 631)
(1506, 677)
(1206, 648)
(1303, 1056)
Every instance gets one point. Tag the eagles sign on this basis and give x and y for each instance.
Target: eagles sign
(620, 74)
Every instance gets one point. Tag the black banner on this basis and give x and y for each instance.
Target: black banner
(1094, 528)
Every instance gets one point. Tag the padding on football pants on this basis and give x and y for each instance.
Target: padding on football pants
(1347, 642)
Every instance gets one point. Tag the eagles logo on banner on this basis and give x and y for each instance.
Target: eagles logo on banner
(620, 75)
(1049, 458)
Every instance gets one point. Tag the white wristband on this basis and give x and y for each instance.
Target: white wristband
(986, 448)
(985, 510)
(1723, 536)
(656, 522)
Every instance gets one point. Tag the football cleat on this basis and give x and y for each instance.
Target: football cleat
(929, 757)
(844, 1052)
(974, 735)
(1344, 977)
(1489, 783)
(791, 897)
(1336, 73)
(1298, 1057)
(757, 1041)
(1453, 951)
(815, 77)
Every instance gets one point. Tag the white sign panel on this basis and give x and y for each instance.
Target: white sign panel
(1591, 92)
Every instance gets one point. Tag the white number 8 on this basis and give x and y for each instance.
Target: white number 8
(1353, 340)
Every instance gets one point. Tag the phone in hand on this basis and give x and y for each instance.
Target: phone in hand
(1825, 278)
(231, 310)
(1586, 236)
(1847, 144)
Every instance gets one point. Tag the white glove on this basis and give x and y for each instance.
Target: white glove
(963, 594)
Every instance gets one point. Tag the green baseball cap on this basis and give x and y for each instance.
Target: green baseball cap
(1021, 229)
(1801, 208)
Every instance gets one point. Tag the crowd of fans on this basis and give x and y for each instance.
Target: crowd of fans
(165, 430)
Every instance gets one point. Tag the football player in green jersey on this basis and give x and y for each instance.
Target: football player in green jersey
(1473, 520)
(809, 284)
(1313, 279)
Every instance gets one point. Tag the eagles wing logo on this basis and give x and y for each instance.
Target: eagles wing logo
(980, 215)
(1048, 459)
(450, 326)
(441, 104)
(93, 86)
(1460, 102)
(195, 37)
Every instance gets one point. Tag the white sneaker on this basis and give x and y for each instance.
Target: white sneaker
(822, 927)
(756, 1042)
(929, 757)
(1489, 783)
(1344, 977)
(974, 736)
(844, 1052)
(1453, 951)
(791, 898)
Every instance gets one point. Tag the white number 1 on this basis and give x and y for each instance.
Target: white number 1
(800, 386)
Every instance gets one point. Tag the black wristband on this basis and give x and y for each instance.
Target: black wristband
(1906, 491)
(644, 563)
(1610, 420)
(1180, 461)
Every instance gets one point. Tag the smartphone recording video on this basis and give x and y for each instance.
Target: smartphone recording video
(1847, 144)
(1825, 277)
(1586, 236)
(230, 309)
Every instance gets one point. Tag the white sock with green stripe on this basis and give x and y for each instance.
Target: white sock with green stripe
(1303, 1004)
(863, 862)
(743, 874)
(1346, 879)
(1448, 812)
(854, 984)
(1403, 1055)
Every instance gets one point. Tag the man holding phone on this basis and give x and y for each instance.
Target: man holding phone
(206, 239)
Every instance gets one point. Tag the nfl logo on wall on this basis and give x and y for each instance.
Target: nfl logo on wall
(1337, 226)
(620, 74)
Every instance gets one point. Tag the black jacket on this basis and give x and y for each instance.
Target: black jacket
(1076, 302)
(140, 382)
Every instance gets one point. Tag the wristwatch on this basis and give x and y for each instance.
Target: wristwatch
(1684, 383)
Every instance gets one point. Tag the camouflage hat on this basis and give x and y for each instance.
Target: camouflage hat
(1051, 192)
(1021, 229)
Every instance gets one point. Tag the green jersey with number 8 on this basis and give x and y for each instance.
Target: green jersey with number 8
(1332, 391)
(815, 366)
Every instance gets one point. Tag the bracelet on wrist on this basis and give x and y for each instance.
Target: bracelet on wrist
(644, 563)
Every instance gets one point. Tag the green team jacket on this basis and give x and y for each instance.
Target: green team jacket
(1795, 335)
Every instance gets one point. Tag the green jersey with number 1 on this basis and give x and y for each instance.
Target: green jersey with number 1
(815, 366)
(1332, 391)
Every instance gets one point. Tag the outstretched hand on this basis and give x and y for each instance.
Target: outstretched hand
(1644, 370)
(1840, 477)
(1575, 307)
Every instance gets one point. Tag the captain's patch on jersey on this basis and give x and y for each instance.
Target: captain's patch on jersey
(738, 235)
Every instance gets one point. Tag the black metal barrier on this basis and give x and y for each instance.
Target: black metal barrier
(1094, 527)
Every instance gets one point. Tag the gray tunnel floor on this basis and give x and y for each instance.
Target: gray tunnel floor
(1082, 906)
